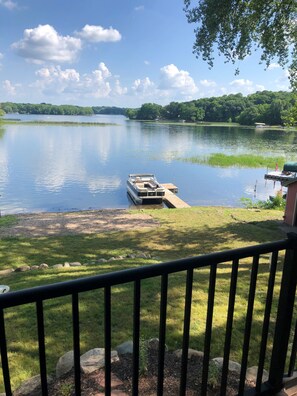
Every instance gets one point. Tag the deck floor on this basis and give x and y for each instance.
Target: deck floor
(173, 201)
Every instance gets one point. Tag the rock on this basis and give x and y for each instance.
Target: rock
(43, 266)
(252, 372)
(4, 289)
(34, 267)
(112, 259)
(153, 344)
(75, 264)
(6, 272)
(23, 268)
(57, 266)
(66, 264)
(31, 387)
(233, 366)
(191, 353)
(141, 255)
(102, 260)
(125, 347)
(95, 359)
(65, 364)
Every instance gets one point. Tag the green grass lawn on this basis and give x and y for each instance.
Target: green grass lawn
(182, 233)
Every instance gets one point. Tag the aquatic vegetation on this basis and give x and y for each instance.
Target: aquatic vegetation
(242, 160)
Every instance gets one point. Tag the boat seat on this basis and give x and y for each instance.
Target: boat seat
(150, 185)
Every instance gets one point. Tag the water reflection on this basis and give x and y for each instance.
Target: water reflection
(64, 168)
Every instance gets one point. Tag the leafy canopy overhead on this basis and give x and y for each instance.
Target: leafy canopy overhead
(238, 27)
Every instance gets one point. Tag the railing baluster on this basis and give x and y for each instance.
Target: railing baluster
(41, 345)
(293, 353)
(162, 333)
(186, 332)
(39, 294)
(229, 325)
(248, 323)
(76, 343)
(265, 328)
(136, 335)
(107, 339)
(284, 317)
(4, 358)
(208, 328)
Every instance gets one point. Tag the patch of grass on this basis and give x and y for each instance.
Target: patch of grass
(243, 160)
(182, 233)
(8, 220)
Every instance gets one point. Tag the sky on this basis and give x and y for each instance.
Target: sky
(114, 53)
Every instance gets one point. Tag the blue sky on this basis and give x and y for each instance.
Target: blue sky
(113, 53)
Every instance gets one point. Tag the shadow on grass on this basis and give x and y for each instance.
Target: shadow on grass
(22, 331)
(164, 242)
(167, 243)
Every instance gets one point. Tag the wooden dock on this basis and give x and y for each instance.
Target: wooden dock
(171, 200)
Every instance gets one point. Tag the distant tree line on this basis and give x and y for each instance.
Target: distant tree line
(45, 108)
(272, 108)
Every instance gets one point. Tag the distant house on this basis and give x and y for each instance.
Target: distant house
(260, 124)
(288, 178)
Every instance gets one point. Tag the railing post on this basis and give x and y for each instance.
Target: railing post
(284, 317)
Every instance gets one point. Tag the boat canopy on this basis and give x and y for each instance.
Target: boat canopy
(290, 167)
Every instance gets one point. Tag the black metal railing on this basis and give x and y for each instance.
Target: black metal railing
(282, 360)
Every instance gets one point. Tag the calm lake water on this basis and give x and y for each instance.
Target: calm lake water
(63, 168)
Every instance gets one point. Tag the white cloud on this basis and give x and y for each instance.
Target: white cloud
(143, 86)
(282, 83)
(273, 66)
(146, 62)
(241, 82)
(118, 89)
(208, 83)
(244, 86)
(1, 56)
(98, 84)
(96, 34)
(9, 4)
(174, 79)
(9, 88)
(58, 76)
(43, 44)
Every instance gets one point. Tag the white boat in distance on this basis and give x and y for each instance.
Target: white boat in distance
(145, 189)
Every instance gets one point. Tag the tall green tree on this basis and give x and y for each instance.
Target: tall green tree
(149, 111)
(236, 28)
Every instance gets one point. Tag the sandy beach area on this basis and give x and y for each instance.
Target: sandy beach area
(82, 222)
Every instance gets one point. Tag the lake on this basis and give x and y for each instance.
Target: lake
(65, 168)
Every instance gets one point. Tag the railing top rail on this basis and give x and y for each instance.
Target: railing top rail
(129, 275)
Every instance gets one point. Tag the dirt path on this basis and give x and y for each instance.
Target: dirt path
(71, 223)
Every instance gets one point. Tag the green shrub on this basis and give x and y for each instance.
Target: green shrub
(277, 202)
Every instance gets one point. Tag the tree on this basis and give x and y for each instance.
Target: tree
(237, 28)
(149, 111)
(131, 113)
(290, 116)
